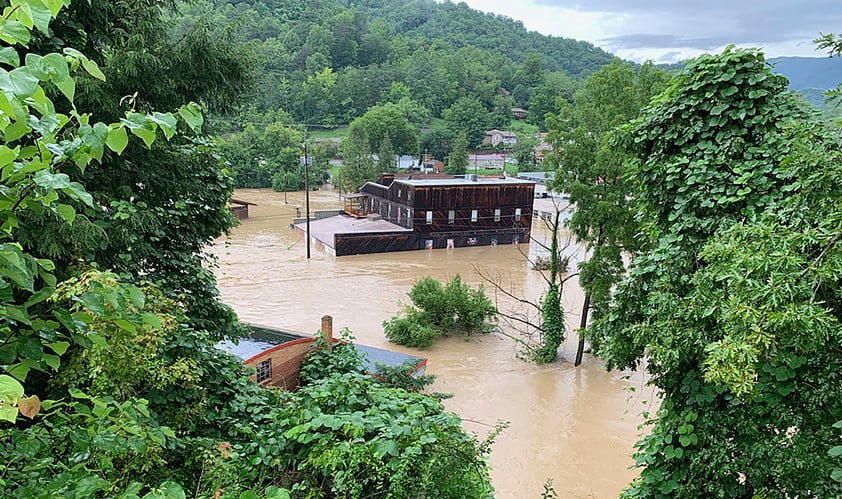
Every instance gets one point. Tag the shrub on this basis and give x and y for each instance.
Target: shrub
(439, 310)
(410, 330)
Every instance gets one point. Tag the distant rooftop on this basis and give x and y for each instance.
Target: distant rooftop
(539, 177)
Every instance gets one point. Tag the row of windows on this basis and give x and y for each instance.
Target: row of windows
(451, 215)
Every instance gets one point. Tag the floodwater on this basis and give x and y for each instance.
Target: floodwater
(576, 426)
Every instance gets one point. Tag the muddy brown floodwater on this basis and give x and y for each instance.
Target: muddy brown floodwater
(576, 426)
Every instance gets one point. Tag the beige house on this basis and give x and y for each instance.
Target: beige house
(497, 137)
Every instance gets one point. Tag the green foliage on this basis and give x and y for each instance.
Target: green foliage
(403, 376)
(457, 160)
(437, 142)
(137, 401)
(326, 359)
(734, 309)
(358, 166)
(373, 439)
(384, 122)
(552, 326)
(591, 170)
(410, 329)
(468, 116)
(552, 314)
(440, 310)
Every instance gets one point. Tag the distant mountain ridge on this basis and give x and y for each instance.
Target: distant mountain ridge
(821, 73)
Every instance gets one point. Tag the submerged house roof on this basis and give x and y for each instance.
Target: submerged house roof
(262, 338)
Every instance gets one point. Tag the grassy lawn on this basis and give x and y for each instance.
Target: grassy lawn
(522, 127)
(338, 132)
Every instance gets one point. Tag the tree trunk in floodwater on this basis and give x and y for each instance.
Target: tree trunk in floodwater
(582, 325)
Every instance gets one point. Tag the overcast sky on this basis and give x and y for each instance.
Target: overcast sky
(673, 30)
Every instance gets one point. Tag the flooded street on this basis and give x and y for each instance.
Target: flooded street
(576, 426)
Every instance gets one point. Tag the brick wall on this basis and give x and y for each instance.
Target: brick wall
(285, 361)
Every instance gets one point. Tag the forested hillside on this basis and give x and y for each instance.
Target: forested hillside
(326, 62)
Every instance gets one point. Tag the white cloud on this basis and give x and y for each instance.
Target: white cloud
(669, 30)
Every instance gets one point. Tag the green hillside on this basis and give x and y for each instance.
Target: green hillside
(326, 62)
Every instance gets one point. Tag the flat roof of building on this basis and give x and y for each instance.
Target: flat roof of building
(325, 228)
(465, 181)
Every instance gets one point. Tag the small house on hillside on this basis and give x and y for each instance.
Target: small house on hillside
(519, 113)
(496, 137)
(412, 212)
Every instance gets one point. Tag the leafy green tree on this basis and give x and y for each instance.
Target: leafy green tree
(468, 115)
(386, 156)
(358, 167)
(457, 160)
(437, 142)
(387, 120)
(545, 98)
(734, 308)
(137, 402)
(158, 219)
(525, 152)
(592, 172)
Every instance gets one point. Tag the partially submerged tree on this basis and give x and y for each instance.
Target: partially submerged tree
(592, 171)
(546, 316)
(735, 310)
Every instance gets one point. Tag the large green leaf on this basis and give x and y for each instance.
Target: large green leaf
(9, 56)
(13, 32)
(192, 115)
(117, 139)
(50, 180)
(23, 81)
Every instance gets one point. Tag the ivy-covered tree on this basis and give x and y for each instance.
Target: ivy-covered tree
(590, 169)
(734, 309)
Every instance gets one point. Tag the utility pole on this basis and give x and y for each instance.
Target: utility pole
(307, 191)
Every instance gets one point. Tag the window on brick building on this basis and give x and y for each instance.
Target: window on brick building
(264, 370)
